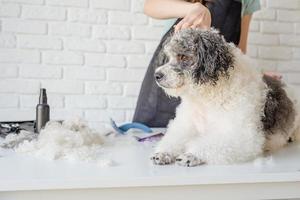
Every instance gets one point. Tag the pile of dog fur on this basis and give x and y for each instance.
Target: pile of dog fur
(71, 140)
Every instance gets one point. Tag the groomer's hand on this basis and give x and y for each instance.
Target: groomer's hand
(273, 75)
(197, 17)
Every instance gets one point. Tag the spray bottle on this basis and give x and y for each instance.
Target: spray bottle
(42, 111)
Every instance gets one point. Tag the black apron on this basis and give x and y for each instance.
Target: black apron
(154, 108)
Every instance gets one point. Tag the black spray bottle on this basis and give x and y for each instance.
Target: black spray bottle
(42, 111)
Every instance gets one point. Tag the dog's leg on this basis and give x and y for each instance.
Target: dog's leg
(222, 148)
(173, 143)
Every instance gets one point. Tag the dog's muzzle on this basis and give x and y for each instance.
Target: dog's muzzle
(168, 77)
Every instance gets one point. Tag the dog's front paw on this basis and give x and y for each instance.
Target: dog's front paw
(162, 158)
(188, 160)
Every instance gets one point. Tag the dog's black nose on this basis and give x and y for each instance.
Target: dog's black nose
(158, 76)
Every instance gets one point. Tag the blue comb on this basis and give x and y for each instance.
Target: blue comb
(125, 127)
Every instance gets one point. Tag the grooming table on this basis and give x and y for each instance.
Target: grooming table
(135, 177)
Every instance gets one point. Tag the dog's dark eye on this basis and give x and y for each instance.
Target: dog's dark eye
(182, 58)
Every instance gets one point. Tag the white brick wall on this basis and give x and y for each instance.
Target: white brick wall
(91, 55)
(274, 40)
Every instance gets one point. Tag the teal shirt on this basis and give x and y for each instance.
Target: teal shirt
(248, 8)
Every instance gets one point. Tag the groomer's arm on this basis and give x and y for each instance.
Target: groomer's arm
(165, 9)
(245, 23)
(195, 15)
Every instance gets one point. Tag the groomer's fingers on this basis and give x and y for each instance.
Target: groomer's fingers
(178, 26)
(185, 25)
(275, 75)
(195, 25)
(204, 27)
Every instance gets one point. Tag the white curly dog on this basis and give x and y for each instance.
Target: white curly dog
(229, 111)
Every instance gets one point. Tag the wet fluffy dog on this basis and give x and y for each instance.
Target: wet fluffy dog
(229, 112)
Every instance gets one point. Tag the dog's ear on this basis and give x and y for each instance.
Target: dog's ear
(214, 57)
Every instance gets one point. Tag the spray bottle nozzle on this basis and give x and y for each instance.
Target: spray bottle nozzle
(43, 96)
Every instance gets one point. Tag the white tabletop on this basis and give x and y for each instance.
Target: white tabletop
(133, 168)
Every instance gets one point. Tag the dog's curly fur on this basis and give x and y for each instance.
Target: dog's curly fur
(229, 112)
